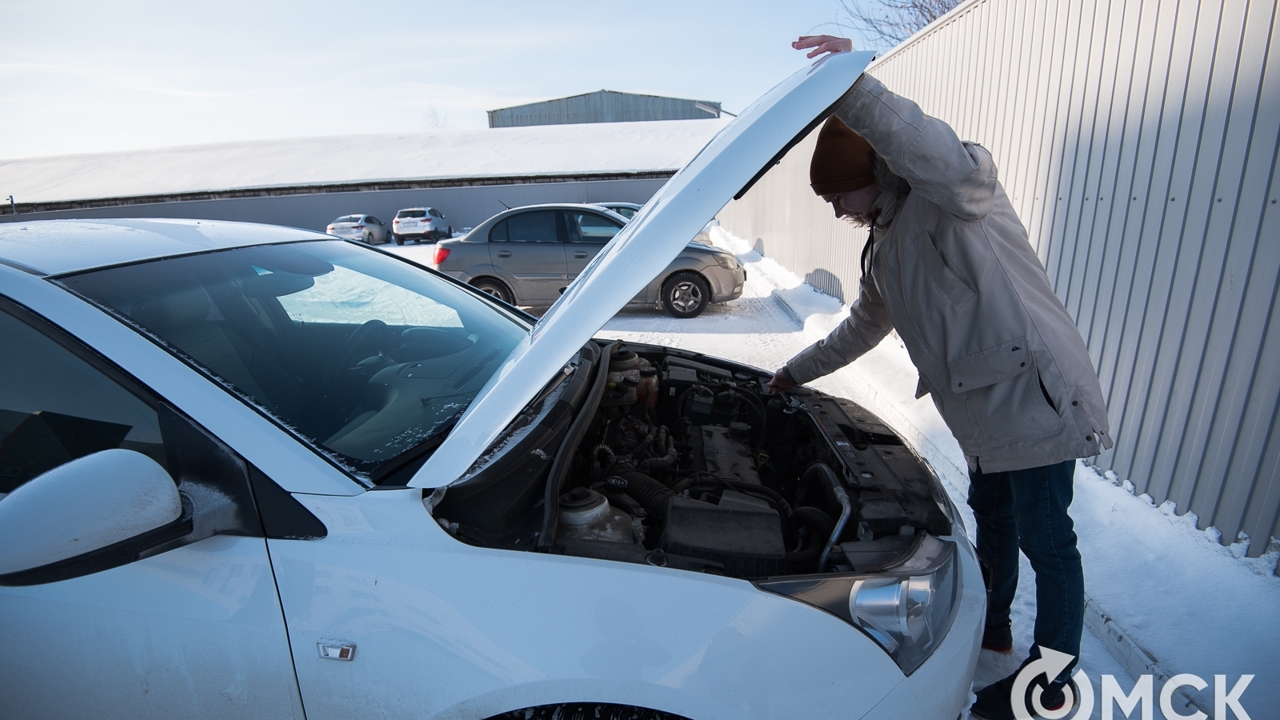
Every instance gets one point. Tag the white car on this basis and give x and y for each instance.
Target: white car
(365, 228)
(253, 471)
(418, 224)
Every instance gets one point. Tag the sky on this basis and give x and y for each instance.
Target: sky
(80, 77)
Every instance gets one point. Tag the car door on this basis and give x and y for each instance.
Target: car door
(587, 233)
(191, 627)
(527, 248)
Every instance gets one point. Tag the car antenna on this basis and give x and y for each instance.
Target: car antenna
(504, 204)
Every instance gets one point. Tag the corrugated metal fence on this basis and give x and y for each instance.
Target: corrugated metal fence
(1138, 141)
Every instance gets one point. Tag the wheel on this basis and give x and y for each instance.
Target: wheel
(494, 288)
(368, 238)
(685, 295)
(587, 711)
(399, 240)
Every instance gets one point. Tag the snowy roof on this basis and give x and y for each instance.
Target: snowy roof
(628, 147)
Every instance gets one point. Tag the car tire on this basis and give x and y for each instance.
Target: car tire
(494, 288)
(368, 238)
(587, 711)
(399, 240)
(685, 295)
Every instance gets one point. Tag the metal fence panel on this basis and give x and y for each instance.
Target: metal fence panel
(1138, 141)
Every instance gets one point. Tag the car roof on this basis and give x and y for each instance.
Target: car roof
(55, 247)
(593, 207)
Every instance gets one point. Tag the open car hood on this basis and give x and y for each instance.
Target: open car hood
(726, 168)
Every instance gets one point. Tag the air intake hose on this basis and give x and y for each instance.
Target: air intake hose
(651, 494)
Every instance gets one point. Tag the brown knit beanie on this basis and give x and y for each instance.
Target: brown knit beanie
(841, 160)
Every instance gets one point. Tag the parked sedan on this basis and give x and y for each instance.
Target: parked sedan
(365, 228)
(418, 224)
(254, 469)
(528, 255)
(627, 210)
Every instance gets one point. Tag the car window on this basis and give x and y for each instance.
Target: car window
(625, 212)
(363, 355)
(532, 227)
(588, 227)
(498, 233)
(374, 220)
(436, 213)
(55, 408)
(411, 214)
(348, 219)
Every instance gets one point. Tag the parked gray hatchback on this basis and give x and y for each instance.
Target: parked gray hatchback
(528, 255)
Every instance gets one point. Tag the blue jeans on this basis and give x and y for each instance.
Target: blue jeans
(1027, 509)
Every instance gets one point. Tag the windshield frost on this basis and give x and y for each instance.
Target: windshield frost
(366, 356)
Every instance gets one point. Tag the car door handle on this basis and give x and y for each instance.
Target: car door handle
(579, 254)
(504, 254)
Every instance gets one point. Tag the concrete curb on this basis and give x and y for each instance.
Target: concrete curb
(1118, 642)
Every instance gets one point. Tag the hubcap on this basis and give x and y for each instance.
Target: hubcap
(686, 296)
(492, 292)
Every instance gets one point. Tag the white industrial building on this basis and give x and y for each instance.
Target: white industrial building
(307, 182)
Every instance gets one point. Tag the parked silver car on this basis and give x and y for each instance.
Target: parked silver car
(365, 228)
(528, 255)
(627, 210)
(418, 224)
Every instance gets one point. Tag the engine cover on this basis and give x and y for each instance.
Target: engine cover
(724, 455)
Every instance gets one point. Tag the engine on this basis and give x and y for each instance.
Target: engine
(693, 465)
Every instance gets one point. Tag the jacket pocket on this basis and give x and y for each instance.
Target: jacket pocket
(989, 366)
(1012, 406)
(956, 290)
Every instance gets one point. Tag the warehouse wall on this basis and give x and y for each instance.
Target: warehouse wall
(463, 206)
(1138, 142)
(603, 106)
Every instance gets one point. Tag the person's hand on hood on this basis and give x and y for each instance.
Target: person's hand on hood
(822, 44)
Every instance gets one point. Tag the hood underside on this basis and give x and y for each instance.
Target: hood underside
(733, 160)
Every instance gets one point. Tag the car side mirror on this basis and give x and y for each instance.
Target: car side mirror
(93, 513)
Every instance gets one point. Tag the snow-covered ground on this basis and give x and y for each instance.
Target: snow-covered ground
(1187, 603)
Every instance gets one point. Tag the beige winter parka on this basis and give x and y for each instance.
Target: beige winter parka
(954, 273)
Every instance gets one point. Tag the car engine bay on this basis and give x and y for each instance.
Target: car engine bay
(664, 457)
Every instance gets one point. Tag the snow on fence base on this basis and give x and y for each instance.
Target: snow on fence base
(1129, 654)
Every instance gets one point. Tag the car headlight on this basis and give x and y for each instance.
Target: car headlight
(728, 262)
(907, 609)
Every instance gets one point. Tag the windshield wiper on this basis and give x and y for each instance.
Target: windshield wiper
(420, 451)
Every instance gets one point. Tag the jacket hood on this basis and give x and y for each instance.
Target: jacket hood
(725, 169)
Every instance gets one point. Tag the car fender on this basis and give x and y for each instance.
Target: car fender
(442, 629)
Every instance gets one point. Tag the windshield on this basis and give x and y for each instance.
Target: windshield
(364, 355)
(411, 213)
(348, 219)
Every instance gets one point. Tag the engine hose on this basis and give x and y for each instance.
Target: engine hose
(822, 525)
(666, 460)
(650, 493)
(606, 466)
(842, 497)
